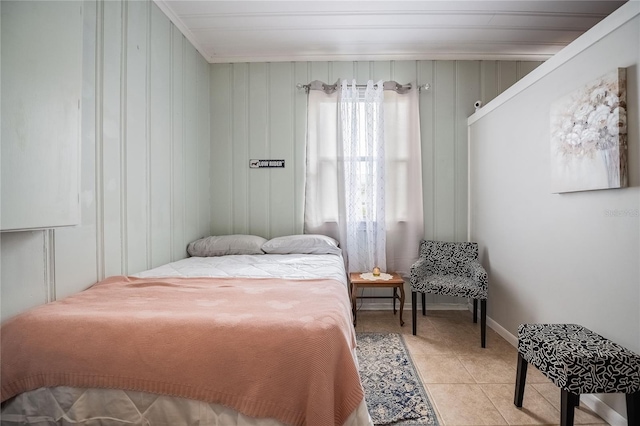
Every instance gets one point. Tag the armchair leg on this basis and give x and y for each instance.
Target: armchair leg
(414, 309)
(483, 323)
(475, 311)
(424, 304)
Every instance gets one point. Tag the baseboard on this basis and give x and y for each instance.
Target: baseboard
(607, 413)
(366, 305)
(513, 340)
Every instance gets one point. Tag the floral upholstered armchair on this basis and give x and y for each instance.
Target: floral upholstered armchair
(450, 269)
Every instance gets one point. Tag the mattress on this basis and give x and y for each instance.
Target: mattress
(286, 266)
(66, 405)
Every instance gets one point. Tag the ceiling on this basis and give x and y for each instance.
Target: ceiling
(316, 30)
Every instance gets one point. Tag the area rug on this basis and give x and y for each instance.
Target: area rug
(392, 388)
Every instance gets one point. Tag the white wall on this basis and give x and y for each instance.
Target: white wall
(144, 160)
(559, 258)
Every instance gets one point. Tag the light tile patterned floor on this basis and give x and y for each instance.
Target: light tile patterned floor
(469, 385)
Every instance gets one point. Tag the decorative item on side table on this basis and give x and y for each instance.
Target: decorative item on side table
(382, 280)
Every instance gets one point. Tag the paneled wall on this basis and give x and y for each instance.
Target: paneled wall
(258, 113)
(144, 160)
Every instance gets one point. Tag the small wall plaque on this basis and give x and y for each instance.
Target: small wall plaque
(263, 164)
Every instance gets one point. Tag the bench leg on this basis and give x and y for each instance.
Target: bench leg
(633, 409)
(475, 311)
(568, 402)
(424, 304)
(521, 379)
(414, 309)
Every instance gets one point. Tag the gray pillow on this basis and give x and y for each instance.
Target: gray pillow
(302, 244)
(221, 245)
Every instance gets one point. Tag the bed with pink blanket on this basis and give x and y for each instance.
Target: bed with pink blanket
(191, 342)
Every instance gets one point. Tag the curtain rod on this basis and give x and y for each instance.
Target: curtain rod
(330, 88)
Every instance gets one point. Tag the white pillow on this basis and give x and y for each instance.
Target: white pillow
(222, 245)
(302, 244)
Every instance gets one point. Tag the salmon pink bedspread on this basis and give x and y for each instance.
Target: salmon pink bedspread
(269, 348)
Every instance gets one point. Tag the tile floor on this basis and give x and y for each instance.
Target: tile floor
(469, 385)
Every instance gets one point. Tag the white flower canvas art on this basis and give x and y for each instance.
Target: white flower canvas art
(589, 136)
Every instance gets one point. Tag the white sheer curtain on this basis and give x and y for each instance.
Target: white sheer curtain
(361, 141)
(363, 151)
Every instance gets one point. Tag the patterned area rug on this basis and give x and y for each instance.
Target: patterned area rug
(393, 391)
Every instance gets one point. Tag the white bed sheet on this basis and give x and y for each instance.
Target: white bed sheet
(67, 405)
(287, 266)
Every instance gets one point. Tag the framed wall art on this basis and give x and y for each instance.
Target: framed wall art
(589, 136)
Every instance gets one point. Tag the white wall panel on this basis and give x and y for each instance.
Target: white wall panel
(23, 272)
(191, 147)
(467, 92)
(177, 145)
(145, 160)
(137, 164)
(76, 248)
(444, 90)
(498, 76)
(259, 142)
(525, 67)
(281, 115)
(160, 134)
(110, 143)
(507, 74)
(340, 69)
(222, 176)
(426, 71)
(363, 71)
(381, 70)
(299, 147)
(320, 71)
(41, 91)
(204, 148)
(403, 72)
(488, 80)
(240, 148)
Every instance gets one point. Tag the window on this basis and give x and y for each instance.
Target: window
(364, 175)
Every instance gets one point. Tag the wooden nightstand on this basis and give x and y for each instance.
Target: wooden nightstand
(396, 282)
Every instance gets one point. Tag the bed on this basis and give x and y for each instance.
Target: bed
(228, 336)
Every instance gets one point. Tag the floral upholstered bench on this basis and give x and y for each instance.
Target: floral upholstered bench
(578, 361)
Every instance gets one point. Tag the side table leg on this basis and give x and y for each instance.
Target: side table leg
(354, 293)
(395, 296)
(401, 303)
